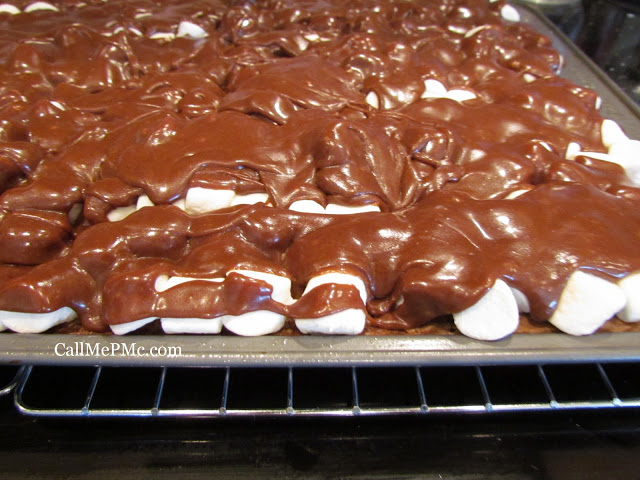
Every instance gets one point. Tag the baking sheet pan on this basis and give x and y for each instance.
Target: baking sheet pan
(188, 350)
(270, 351)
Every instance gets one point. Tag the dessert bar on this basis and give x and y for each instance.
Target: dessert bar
(306, 167)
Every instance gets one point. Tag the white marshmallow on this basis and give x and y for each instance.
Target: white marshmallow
(586, 303)
(373, 100)
(630, 285)
(74, 212)
(306, 206)
(464, 12)
(473, 31)
(341, 279)
(180, 203)
(334, 209)
(164, 282)
(545, 145)
(162, 36)
(254, 324)
(114, 32)
(143, 201)
(281, 286)
(626, 153)
(191, 30)
(309, 206)
(124, 328)
(509, 13)
(250, 199)
(347, 322)
(517, 193)
(434, 88)
(560, 66)
(35, 322)
(611, 133)
(210, 326)
(301, 42)
(120, 213)
(459, 29)
(621, 150)
(521, 300)
(203, 200)
(58, 105)
(34, 7)
(493, 317)
(460, 95)
(10, 9)
(573, 150)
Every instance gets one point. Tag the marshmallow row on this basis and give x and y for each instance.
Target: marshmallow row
(309, 206)
(200, 200)
(203, 200)
(432, 89)
(32, 7)
(185, 28)
(507, 12)
(191, 30)
(197, 201)
(35, 322)
(257, 323)
(262, 322)
(621, 150)
(586, 303)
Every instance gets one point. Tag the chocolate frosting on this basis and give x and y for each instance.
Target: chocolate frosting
(101, 103)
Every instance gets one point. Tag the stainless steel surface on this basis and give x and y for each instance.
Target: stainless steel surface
(414, 391)
(274, 351)
(315, 350)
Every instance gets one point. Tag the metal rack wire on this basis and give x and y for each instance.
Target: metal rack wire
(11, 378)
(321, 391)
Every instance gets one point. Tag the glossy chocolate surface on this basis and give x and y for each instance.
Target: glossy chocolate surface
(100, 103)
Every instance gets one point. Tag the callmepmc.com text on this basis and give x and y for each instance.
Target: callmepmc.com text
(114, 349)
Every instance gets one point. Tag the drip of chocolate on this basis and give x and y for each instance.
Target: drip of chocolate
(102, 103)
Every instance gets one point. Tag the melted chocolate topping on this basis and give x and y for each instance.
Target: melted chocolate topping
(101, 103)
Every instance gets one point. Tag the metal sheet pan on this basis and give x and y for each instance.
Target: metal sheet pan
(187, 350)
(270, 351)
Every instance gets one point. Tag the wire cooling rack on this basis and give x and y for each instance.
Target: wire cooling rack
(104, 391)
